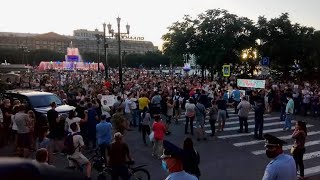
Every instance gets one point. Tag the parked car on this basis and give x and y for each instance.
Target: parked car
(39, 103)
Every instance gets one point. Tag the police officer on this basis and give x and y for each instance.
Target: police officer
(282, 166)
(172, 162)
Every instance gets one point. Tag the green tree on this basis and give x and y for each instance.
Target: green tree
(214, 37)
(36, 56)
(12, 56)
(221, 37)
(149, 59)
(287, 45)
(176, 41)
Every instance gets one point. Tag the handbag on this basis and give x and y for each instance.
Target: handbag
(292, 150)
(151, 136)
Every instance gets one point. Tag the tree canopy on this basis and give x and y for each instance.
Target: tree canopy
(217, 37)
(34, 57)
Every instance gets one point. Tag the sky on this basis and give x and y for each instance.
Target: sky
(147, 18)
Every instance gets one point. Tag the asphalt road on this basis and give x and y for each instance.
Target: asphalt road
(227, 156)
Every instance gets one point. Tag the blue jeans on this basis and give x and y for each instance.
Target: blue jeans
(135, 117)
(258, 127)
(287, 123)
(283, 113)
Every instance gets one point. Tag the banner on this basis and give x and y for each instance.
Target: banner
(251, 83)
(108, 100)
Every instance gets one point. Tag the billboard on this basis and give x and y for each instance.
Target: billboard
(251, 83)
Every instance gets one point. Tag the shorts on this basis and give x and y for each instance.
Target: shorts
(24, 140)
(222, 115)
(81, 160)
(199, 122)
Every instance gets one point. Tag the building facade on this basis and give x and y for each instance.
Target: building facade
(82, 39)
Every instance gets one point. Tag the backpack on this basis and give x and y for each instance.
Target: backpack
(177, 102)
(69, 148)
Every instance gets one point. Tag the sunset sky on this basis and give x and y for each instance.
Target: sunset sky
(148, 18)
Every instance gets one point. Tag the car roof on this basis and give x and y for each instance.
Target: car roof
(28, 92)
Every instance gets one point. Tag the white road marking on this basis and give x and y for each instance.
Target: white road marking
(252, 133)
(309, 143)
(261, 141)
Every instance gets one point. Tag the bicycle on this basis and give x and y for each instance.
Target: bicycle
(135, 173)
(98, 163)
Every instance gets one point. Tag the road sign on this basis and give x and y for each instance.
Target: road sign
(265, 61)
(226, 70)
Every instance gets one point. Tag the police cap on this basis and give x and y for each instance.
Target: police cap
(273, 141)
(171, 150)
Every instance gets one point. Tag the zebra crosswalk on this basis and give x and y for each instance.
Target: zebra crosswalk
(274, 126)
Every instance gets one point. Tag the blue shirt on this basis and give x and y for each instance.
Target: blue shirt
(290, 107)
(283, 167)
(225, 96)
(104, 132)
(236, 95)
(44, 143)
(92, 114)
(181, 175)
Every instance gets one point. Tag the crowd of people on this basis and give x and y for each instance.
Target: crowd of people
(150, 103)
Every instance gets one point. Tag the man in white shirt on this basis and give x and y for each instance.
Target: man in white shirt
(134, 112)
(77, 156)
(127, 108)
(71, 119)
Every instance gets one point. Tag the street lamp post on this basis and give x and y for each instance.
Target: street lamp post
(118, 37)
(24, 51)
(98, 50)
(105, 46)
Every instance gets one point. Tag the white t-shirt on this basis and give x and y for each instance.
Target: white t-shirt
(77, 143)
(70, 121)
(128, 103)
(190, 107)
(14, 125)
(133, 103)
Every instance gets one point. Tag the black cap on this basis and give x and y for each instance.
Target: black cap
(273, 141)
(171, 150)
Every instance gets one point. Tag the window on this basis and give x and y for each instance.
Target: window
(44, 100)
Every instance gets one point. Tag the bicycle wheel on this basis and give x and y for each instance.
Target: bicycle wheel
(140, 174)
